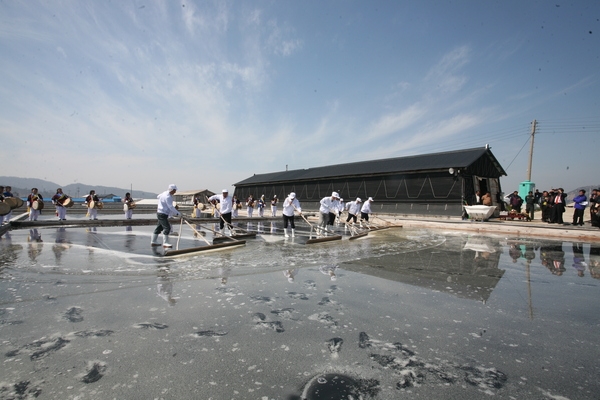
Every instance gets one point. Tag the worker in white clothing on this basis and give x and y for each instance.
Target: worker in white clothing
(164, 210)
(290, 204)
(274, 202)
(366, 210)
(329, 205)
(353, 208)
(226, 208)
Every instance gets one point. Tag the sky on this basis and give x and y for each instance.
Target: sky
(204, 94)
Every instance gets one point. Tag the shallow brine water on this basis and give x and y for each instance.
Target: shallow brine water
(400, 313)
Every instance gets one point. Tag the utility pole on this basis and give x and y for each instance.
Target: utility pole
(533, 125)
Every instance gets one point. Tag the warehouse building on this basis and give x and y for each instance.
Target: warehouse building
(429, 184)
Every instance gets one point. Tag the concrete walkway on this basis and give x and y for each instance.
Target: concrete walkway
(518, 228)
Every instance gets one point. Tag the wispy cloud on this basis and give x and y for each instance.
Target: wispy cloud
(163, 89)
(394, 122)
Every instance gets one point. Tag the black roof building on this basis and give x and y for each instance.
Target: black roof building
(436, 183)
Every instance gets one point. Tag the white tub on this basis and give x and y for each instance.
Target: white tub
(480, 212)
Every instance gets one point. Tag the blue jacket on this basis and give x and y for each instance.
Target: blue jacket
(578, 200)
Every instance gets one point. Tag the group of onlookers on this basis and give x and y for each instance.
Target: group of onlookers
(5, 193)
(552, 204)
(62, 201)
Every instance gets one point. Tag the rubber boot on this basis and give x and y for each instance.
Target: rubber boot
(293, 232)
(154, 241)
(166, 243)
(285, 232)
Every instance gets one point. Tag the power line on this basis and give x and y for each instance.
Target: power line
(519, 152)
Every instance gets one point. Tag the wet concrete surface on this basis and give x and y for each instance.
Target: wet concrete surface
(401, 313)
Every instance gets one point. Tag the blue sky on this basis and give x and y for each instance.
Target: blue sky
(207, 93)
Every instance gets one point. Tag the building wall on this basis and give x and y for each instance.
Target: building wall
(436, 193)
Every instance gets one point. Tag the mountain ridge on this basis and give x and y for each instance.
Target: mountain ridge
(21, 187)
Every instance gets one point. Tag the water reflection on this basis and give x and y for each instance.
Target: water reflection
(290, 274)
(330, 271)
(468, 271)
(61, 243)
(9, 252)
(35, 245)
(164, 287)
(594, 258)
(413, 313)
(129, 238)
(553, 257)
(578, 259)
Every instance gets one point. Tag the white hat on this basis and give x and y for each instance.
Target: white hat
(358, 200)
(172, 186)
(335, 194)
(224, 191)
(293, 195)
(371, 199)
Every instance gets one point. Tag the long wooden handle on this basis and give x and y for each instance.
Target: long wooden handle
(179, 236)
(309, 224)
(228, 237)
(198, 233)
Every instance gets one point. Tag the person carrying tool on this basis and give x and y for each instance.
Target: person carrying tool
(366, 210)
(353, 209)
(164, 210)
(329, 204)
(290, 204)
(226, 208)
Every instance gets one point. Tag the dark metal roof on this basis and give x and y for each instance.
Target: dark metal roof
(411, 164)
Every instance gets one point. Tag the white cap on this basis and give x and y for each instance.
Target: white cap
(335, 194)
(172, 186)
(224, 191)
(371, 199)
(293, 195)
(358, 200)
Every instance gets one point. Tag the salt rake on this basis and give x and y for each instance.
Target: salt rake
(232, 228)
(355, 234)
(246, 234)
(209, 246)
(387, 224)
(320, 239)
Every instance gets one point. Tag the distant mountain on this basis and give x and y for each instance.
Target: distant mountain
(21, 187)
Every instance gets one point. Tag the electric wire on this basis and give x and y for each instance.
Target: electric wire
(519, 152)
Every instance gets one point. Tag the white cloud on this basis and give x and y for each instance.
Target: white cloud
(280, 39)
(445, 75)
(394, 122)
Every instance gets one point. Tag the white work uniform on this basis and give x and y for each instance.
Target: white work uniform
(288, 206)
(366, 208)
(226, 203)
(165, 204)
(353, 207)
